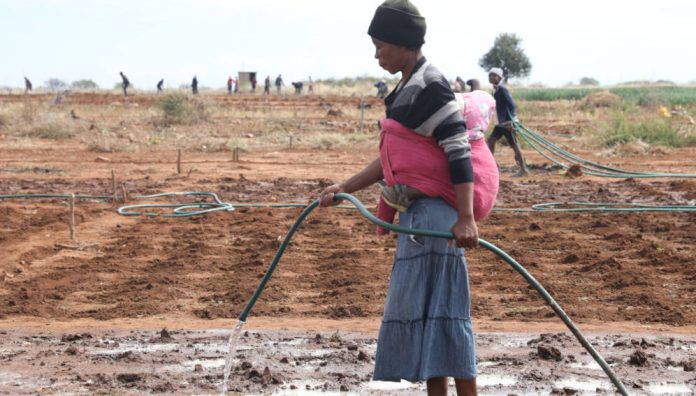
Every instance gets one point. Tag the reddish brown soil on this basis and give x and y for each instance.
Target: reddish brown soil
(600, 266)
(605, 269)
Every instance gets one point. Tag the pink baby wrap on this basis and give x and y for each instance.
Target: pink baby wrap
(419, 162)
(477, 108)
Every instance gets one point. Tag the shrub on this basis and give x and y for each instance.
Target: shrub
(50, 130)
(655, 132)
(176, 108)
(85, 85)
(29, 112)
(588, 81)
(56, 84)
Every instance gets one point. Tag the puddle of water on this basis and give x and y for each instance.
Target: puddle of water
(390, 385)
(205, 363)
(11, 379)
(128, 347)
(586, 366)
(670, 389)
(515, 341)
(302, 389)
(495, 379)
(582, 384)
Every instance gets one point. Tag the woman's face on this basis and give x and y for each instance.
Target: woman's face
(391, 58)
(493, 79)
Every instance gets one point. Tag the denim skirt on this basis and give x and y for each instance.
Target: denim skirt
(426, 331)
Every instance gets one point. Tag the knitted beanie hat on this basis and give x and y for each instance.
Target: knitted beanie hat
(398, 22)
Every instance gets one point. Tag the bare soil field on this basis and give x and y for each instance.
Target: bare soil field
(87, 316)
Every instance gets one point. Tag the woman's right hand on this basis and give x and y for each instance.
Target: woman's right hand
(326, 198)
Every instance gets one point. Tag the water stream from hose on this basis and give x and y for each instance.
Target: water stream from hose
(231, 349)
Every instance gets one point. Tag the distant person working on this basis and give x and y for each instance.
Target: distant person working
(267, 85)
(159, 86)
(27, 86)
(279, 83)
(298, 87)
(506, 113)
(194, 85)
(125, 83)
(382, 89)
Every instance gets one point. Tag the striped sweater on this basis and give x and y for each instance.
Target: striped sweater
(426, 104)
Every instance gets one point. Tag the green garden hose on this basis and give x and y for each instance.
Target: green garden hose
(437, 234)
(187, 209)
(180, 210)
(609, 207)
(565, 159)
(200, 208)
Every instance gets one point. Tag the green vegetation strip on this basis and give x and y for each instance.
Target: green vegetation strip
(642, 96)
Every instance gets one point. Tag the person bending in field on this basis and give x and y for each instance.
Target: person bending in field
(125, 83)
(27, 86)
(506, 113)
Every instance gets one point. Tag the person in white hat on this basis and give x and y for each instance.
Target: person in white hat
(506, 112)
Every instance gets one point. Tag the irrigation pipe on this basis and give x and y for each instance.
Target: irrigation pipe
(437, 234)
(557, 155)
(201, 208)
(62, 196)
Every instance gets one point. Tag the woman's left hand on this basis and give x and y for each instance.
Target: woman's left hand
(465, 232)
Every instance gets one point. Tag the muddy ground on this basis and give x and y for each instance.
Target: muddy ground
(85, 316)
(291, 362)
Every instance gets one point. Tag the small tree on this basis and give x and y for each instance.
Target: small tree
(507, 54)
(55, 84)
(84, 85)
(588, 81)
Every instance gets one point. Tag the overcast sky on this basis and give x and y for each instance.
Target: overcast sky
(611, 41)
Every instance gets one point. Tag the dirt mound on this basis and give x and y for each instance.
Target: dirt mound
(601, 99)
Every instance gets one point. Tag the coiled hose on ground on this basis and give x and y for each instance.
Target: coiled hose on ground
(565, 159)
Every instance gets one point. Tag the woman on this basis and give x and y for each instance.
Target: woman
(426, 333)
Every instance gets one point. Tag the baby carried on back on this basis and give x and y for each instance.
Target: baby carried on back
(418, 162)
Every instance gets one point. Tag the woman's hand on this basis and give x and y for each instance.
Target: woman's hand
(326, 198)
(465, 232)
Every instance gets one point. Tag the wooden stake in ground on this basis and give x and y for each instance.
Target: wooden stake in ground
(72, 217)
(125, 194)
(362, 113)
(235, 154)
(178, 161)
(113, 185)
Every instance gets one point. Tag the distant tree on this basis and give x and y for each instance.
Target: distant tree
(84, 85)
(588, 81)
(55, 84)
(508, 55)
